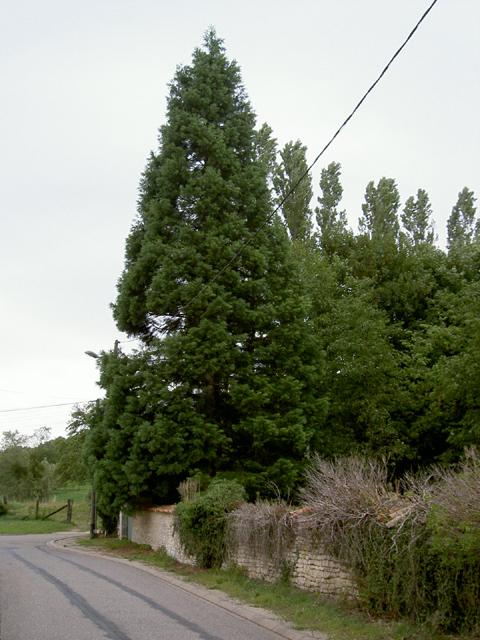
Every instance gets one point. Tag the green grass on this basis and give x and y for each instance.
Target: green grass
(16, 527)
(21, 515)
(340, 620)
(79, 495)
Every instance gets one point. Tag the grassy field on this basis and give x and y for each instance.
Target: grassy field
(340, 620)
(21, 515)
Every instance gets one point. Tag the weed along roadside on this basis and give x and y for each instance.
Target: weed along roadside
(371, 562)
(323, 617)
(411, 554)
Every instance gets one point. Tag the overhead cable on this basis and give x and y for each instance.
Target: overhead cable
(304, 175)
(45, 406)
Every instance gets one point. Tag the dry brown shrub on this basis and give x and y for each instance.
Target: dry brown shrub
(458, 492)
(414, 551)
(264, 528)
(348, 492)
(454, 491)
(188, 489)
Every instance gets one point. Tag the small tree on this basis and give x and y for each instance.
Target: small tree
(24, 472)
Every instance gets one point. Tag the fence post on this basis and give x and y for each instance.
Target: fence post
(69, 510)
(93, 515)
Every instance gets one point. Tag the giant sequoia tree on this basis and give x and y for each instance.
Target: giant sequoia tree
(222, 382)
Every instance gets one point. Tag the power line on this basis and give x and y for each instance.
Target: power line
(304, 175)
(36, 415)
(38, 426)
(45, 406)
(37, 395)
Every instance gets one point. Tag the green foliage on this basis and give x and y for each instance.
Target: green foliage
(451, 350)
(202, 521)
(363, 376)
(380, 209)
(34, 466)
(266, 149)
(328, 343)
(25, 472)
(225, 382)
(296, 208)
(416, 220)
(70, 468)
(335, 237)
(461, 224)
(3, 509)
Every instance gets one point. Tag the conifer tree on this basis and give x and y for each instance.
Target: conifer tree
(225, 379)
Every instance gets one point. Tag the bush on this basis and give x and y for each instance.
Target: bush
(453, 525)
(3, 509)
(265, 528)
(414, 552)
(202, 521)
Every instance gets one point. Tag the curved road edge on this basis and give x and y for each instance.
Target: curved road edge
(218, 598)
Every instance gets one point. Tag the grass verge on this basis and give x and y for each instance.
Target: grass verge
(21, 515)
(340, 620)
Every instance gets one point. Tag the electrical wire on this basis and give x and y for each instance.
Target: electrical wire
(37, 395)
(304, 175)
(45, 406)
(49, 425)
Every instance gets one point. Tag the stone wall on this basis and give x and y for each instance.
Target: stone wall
(305, 563)
(155, 527)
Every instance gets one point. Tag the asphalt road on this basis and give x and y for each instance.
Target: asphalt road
(50, 592)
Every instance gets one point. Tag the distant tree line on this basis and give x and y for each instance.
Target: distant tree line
(32, 467)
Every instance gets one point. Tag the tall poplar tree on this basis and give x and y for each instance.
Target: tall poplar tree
(296, 209)
(461, 224)
(416, 219)
(380, 210)
(266, 146)
(226, 375)
(335, 237)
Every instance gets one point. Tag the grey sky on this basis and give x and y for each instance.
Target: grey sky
(82, 94)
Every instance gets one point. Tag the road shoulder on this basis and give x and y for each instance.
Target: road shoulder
(260, 617)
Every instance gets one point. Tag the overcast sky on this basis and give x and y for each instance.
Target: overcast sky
(82, 94)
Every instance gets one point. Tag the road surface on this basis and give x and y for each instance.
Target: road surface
(50, 592)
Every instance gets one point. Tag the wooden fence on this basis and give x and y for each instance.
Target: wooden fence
(68, 507)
